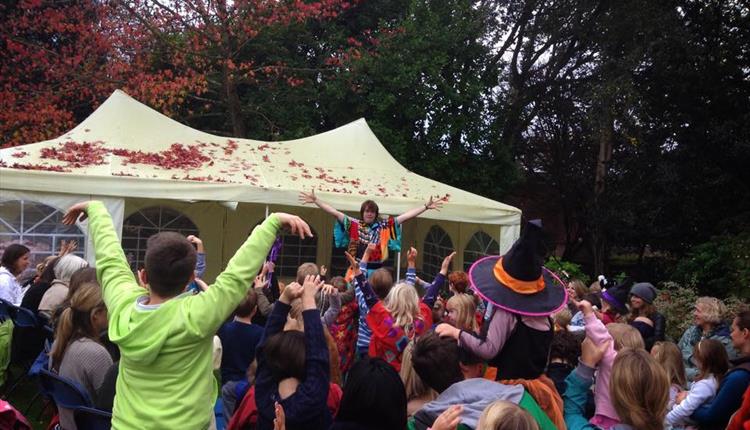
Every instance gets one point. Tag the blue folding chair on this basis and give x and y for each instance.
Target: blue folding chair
(92, 419)
(5, 310)
(25, 318)
(22, 318)
(66, 393)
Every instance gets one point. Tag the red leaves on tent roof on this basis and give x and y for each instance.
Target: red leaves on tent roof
(77, 154)
(230, 147)
(178, 156)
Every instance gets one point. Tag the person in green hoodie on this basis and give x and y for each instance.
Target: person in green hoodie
(165, 336)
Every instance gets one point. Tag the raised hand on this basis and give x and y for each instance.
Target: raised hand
(437, 203)
(308, 198)
(295, 224)
(291, 292)
(310, 287)
(447, 262)
(411, 257)
(584, 306)
(260, 281)
(77, 212)
(195, 240)
(591, 353)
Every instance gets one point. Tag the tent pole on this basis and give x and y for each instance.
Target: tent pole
(398, 267)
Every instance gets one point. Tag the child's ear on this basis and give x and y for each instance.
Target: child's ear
(143, 278)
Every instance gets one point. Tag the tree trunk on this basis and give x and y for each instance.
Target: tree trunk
(598, 234)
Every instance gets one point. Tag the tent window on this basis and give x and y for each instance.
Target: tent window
(37, 226)
(144, 223)
(480, 245)
(294, 252)
(437, 244)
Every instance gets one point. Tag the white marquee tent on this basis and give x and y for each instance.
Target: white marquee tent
(154, 173)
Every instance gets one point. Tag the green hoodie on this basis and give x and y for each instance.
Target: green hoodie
(166, 378)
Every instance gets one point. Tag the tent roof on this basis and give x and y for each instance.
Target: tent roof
(127, 149)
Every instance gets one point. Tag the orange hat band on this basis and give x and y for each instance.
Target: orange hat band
(520, 287)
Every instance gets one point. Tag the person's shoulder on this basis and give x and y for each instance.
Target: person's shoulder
(89, 348)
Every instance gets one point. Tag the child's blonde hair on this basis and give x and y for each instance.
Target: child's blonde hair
(504, 415)
(563, 318)
(466, 309)
(415, 387)
(625, 336)
(668, 354)
(306, 269)
(639, 388)
(403, 304)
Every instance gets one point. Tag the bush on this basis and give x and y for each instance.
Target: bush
(567, 270)
(676, 303)
(719, 267)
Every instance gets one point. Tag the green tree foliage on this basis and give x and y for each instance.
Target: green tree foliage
(718, 267)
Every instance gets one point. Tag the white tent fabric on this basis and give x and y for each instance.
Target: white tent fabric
(126, 149)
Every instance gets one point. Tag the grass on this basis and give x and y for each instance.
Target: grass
(22, 396)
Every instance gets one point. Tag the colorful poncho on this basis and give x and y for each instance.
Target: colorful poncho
(355, 235)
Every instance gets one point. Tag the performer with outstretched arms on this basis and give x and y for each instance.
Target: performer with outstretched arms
(356, 234)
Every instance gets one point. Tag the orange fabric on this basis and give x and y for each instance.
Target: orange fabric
(543, 390)
(520, 287)
(741, 419)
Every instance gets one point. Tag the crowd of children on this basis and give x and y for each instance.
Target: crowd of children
(508, 345)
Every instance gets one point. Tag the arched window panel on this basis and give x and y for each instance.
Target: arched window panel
(294, 252)
(144, 223)
(480, 245)
(37, 226)
(437, 245)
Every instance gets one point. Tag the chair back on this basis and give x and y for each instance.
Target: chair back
(25, 318)
(66, 393)
(92, 419)
(6, 308)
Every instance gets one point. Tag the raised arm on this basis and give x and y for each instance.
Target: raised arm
(200, 263)
(360, 282)
(311, 198)
(434, 288)
(411, 266)
(432, 203)
(112, 269)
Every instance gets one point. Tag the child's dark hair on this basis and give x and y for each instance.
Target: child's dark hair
(436, 361)
(594, 299)
(247, 305)
(743, 319)
(566, 346)
(11, 255)
(712, 359)
(374, 386)
(170, 262)
(80, 277)
(340, 283)
(371, 205)
(48, 273)
(285, 355)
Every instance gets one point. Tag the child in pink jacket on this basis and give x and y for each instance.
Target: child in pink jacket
(623, 335)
